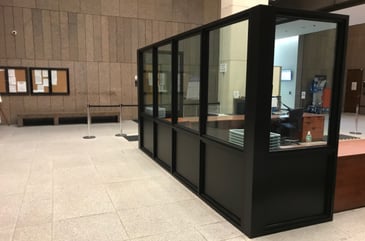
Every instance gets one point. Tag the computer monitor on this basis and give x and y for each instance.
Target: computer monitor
(292, 126)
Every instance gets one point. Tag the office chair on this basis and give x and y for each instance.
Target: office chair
(290, 127)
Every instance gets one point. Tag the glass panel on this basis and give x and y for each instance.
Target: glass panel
(147, 82)
(304, 65)
(227, 82)
(189, 82)
(164, 82)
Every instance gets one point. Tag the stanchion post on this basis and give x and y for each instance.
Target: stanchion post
(89, 136)
(356, 132)
(120, 134)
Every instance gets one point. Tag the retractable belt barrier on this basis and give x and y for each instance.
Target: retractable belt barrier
(120, 134)
(356, 132)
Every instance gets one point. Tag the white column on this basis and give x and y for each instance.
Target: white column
(233, 53)
(229, 7)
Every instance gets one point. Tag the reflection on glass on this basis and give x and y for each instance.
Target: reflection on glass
(305, 55)
(188, 85)
(164, 82)
(227, 83)
(147, 82)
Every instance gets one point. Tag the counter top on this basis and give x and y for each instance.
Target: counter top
(351, 147)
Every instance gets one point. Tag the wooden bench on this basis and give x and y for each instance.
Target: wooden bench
(57, 118)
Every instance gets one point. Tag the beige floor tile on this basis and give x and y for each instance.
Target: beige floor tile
(122, 170)
(152, 204)
(185, 235)
(103, 227)
(75, 176)
(9, 210)
(41, 188)
(80, 200)
(119, 172)
(219, 231)
(360, 236)
(348, 222)
(6, 234)
(70, 160)
(148, 221)
(107, 156)
(34, 233)
(12, 183)
(320, 232)
(15, 167)
(241, 238)
(36, 209)
(159, 219)
(40, 178)
(191, 213)
(146, 192)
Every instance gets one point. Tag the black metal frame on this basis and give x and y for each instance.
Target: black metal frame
(259, 185)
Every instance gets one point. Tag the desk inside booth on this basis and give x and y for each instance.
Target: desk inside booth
(220, 124)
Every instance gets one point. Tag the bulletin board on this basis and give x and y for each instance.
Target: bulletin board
(13, 80)
(40, 81)
(60, 81)
(49, 81)
(3, 89)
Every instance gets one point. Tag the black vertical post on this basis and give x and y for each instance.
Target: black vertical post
(336, 100)
(203, 100)
(260, 54)
(140, 95)
(155, 97)
(174, 96)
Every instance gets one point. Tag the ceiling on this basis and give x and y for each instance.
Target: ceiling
(300, 27)
(356, 13)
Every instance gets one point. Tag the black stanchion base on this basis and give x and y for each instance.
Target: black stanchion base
(121, 135)
(355, 132)
(89, 137)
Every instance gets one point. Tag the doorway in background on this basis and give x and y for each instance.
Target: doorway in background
(353, 90)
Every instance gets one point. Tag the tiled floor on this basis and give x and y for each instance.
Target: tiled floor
(55, 185)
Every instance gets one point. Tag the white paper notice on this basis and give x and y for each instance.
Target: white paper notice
(38, 77)
(22, 86)
(193, 91)
(54, 77)
(12, 88)
(354, 86)
(40, 88)
(150, 79)
(45, 82)
(11, 72)
(12, 80)
(45, 73)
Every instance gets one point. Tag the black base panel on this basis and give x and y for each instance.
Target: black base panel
(37, 121)
(72, 120)
(132, 138)
(104, 119)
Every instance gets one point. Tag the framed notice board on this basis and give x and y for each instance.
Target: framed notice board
(49, 81)
(13, 80)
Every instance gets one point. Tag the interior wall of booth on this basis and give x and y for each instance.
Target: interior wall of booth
(311, 46)
(233, 63)
(96, 40)
(286, 56)
(354, 58)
